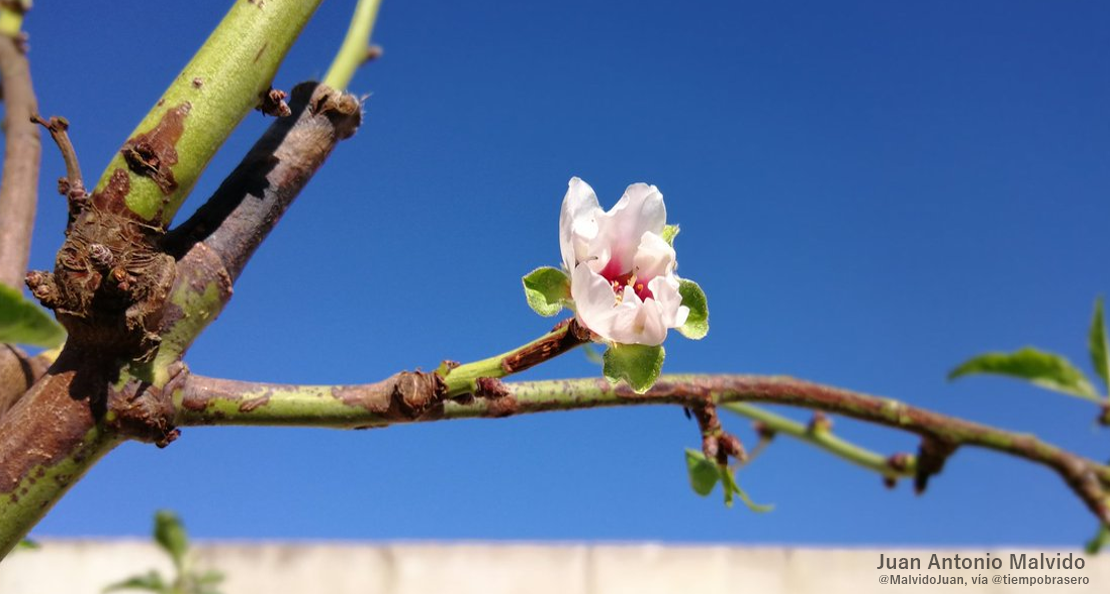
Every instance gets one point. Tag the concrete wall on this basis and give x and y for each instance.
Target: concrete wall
(84, 567)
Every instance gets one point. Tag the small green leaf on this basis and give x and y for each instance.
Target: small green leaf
(24, 322)
(1100, 351)
(728, 481)
(151, 582)
(703, 472)
(547, 290)
(28, 545)
(1100, 540)
(1046, 370)
(170, 534)
(669, 233)
(697, 323)
(639, 364)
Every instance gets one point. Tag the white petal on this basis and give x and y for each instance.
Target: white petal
(637, 322)
(665, 291)
(577, 222)
(640, 210)
(654, 257)
(594, 300)
(654, 330)
(625, 320)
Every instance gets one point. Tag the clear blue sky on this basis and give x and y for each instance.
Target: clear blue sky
(869, 192)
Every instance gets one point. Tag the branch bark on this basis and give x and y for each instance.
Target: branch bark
(251, 201)
(208, 401)
(22, 151)
(18, 372)
(113, 284)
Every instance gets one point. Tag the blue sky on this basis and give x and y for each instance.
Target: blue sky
(869, 192)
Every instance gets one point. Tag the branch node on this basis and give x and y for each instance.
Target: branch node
(899, 462)
(820, 423)
(372, 53)
(415, 393)
(143, 412)
(765, 433)
(716, 443)
(932, 455)
(272, 103)
(490, 387)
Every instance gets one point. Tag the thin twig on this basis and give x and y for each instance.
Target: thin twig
(827, 441)
(74, 185)
(355, 50)
(22, 150)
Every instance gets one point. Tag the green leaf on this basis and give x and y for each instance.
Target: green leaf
(639, 364)
(1046, 370)
(669, 233)
(547, 290)
(151, 582)
(170, 534)
(1100, 350)
(728, 481)
(697, 323)
(27, 545)
(1100, 540)
(703, 472)
(24, 322)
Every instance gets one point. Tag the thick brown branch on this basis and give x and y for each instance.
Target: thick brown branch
(18, 372)
(247, 205)
(207, 401)
(22, 149)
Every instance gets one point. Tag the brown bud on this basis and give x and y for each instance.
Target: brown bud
(733, 447)
(765, 433)
(100, 255)
(899, 462)
(820, 423)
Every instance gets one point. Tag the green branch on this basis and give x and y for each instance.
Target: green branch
(463, 379)
(354, 50)
(827, 441)
(402, 398)
(216, 89)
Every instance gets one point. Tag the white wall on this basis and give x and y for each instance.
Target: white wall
(84, 567)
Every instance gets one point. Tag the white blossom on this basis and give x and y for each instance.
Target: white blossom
(622, 271)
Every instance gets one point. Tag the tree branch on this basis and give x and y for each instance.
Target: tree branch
(223, 82)
(22, 151)
(112, 283)
(207, 401)
(355, 50)
(18, 372)
(890, 467)
(250, 201)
